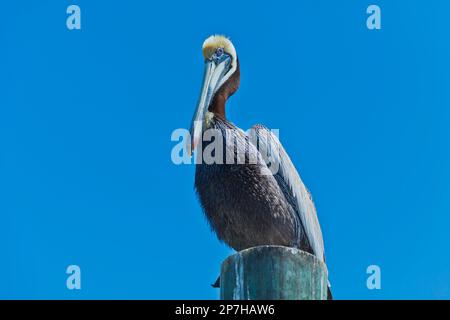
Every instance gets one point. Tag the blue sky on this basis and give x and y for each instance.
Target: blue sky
(86, 116)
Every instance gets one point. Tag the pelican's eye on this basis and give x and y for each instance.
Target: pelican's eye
(219, 52)
(220, 56)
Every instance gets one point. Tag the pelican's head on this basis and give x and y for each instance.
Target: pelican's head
(220, 64)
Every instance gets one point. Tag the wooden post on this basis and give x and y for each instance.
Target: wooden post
(273, 273)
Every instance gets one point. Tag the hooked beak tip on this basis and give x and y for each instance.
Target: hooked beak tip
(191, 144)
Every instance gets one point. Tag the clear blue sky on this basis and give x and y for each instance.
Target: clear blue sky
(86, 117)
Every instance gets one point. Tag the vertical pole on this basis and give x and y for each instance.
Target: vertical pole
(273, 273)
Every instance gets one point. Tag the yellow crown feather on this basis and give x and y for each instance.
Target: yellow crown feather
(217, 41)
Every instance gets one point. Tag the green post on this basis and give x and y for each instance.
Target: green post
(273, 273)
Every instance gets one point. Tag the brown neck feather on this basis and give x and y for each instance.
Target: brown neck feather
(217, 105)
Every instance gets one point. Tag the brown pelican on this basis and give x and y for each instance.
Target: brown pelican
(246, 203)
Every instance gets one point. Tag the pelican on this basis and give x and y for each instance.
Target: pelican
(246, 204)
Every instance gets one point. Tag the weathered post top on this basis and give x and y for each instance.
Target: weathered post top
(273, 273)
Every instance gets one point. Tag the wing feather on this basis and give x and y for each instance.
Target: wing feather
(280, 164)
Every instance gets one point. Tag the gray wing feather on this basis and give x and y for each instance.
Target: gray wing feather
(279, 163)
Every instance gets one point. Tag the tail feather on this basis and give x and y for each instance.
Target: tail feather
(217, 283)
(329, 294)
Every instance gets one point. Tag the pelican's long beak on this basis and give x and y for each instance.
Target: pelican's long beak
(215, 70)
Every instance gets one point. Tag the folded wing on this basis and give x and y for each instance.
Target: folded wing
(282, 168)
